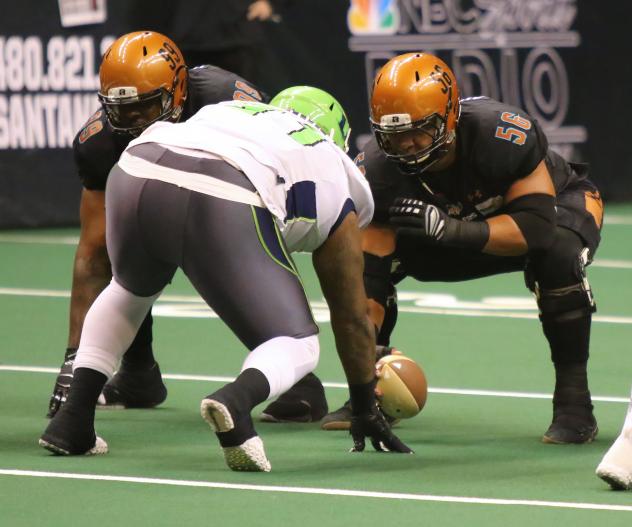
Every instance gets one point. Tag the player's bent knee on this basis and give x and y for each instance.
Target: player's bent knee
(284, 360)
(559, 280)
(566, 303)
(101, 348)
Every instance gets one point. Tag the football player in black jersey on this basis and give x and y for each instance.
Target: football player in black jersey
(469, 188)
(143, 79)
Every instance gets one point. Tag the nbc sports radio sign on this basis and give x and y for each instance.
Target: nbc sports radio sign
(510, 50)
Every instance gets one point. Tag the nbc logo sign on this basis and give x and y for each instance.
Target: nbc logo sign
(373, 17)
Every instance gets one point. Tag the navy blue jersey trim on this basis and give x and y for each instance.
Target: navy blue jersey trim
(270, 238)
(300, 203)
(347, 207)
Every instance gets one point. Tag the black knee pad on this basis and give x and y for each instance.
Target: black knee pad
(564, 303)
(566, 319)
(558, 279)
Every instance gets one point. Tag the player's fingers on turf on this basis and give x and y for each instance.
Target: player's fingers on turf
(378, 445)
(358, 443)
(394, 444)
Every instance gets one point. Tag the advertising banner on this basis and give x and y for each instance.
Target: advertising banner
(565, 62)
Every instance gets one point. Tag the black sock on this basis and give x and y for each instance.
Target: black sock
(249, 389)
(571, 385)
(569, 339)
(84, 391)
(140, 354)
(72, 428)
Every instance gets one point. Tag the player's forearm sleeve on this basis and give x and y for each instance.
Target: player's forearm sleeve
(535, 216)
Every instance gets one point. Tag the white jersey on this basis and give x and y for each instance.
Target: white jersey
(305, 180)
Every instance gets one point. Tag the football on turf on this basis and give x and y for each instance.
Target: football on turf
(402, 384)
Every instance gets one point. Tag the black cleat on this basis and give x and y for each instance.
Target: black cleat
(573, 419)
(305, 402)
(571, 425)
(134, 388)
(339, 419)
(70, 435)
(243, 448)
(616, 466)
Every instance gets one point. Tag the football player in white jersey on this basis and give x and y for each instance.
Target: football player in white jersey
(226, 196)
(616, 466)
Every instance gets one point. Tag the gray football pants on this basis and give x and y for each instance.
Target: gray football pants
(231, 252)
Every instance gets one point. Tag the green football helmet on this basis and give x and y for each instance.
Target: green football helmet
(320, 108)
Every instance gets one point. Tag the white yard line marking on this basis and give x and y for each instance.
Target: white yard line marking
(193, 307)
(612, 264)
(499, 314)
(445, 391)
(39, 238)
(617, 219)
(609, 219)
(319, 491)
(50, 293)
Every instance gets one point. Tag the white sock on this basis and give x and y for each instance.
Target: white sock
(284, 360)
(110, 327)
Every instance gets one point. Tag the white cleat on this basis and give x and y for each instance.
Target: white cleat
(100, 447)
(250, 456)
(616, 466)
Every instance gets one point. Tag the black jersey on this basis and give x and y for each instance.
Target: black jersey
(497, 144)
(97, 147)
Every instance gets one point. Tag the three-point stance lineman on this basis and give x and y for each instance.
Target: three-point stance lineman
(226, 196)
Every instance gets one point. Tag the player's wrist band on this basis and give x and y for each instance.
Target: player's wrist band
(362, 397)
(466, 234)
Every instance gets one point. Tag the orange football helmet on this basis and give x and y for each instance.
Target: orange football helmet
(415, 109)
(143, 79)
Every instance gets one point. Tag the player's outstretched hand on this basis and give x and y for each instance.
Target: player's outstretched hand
(373, 424)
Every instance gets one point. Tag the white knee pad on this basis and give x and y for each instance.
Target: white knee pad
(284, 360)
(110, 327)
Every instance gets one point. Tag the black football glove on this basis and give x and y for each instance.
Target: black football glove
(429, 224)
(62, 383)
(427, 221)
(373, 424)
